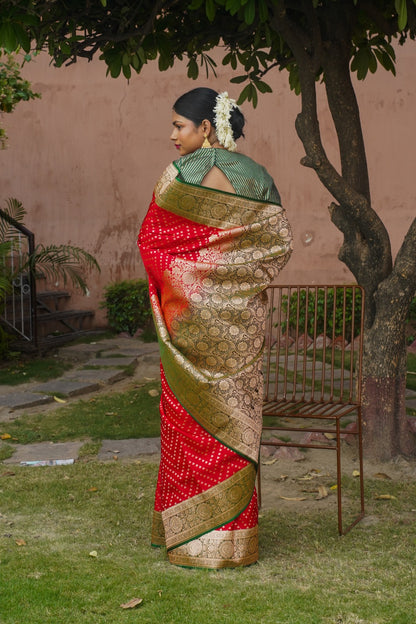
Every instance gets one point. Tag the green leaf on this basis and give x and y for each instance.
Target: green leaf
(8, 39)
(193, 70)
(372, 62)
(164, 62)
(141, 54)
(254, 96)
(263, 11)
(115, 67)
(244, 94)
(210, 9)
(360, 62)
(22, 37)
(401, 8)
(233, 6)
(195, 4)
(250, 12)
(263, 87)
(238, 79)
(127, 71)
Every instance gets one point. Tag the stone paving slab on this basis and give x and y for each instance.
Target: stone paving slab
(100, 375)
(147, 348)
(19, 399)
(68, 387)
(128, 449)
(114, 362)
(113, 345)
(44, 453)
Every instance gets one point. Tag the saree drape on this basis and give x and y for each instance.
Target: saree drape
(209, 256)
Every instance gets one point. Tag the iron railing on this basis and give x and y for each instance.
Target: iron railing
(18, 310)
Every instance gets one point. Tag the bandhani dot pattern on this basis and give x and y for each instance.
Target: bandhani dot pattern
(209, 256)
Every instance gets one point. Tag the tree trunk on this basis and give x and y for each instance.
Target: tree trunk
(386, 433)
(385, 425)
(366, 247)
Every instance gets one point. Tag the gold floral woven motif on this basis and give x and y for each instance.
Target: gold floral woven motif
(212, 352)
(213, 507)
(218, 549)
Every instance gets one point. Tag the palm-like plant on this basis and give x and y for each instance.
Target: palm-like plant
(66, 262)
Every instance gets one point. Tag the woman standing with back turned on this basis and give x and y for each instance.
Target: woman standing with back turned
(213, 239)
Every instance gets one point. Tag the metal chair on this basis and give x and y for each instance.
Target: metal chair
(313, 360)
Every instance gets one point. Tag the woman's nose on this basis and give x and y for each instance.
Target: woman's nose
(173, 135)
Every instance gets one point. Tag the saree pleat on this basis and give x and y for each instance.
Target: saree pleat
(209, 257)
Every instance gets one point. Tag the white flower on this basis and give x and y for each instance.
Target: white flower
(222, 110)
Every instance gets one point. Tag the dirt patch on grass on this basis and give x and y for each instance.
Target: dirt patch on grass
(305, 481)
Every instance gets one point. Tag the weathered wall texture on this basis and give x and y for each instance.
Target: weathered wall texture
(84, 160)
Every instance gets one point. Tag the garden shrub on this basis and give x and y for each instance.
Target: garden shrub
(128, 306)
(318, 301)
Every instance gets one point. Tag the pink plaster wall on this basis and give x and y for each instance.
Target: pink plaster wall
(84, 160)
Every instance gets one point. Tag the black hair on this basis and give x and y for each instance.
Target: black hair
(198, 104)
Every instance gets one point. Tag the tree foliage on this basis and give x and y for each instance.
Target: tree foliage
(13, 89)
(127, 35)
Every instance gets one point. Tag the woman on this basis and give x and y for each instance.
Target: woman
(214, 237)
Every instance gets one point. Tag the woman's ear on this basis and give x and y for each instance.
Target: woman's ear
(206, 127)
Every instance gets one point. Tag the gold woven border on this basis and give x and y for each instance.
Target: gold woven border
(195, 202)
(238, 427)
(218, 549)
(212, 508)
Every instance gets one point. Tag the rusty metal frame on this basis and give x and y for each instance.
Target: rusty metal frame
(298, 386)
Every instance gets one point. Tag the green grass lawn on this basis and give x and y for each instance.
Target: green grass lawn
(52, 519)
(36, 369)
(118, 416)
(75, 541)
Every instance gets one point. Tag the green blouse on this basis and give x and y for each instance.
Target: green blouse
(248, 178)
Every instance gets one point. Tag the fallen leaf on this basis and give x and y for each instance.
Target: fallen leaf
(334, 487)
(295, 498)
(93, 553)
(322, 492)
(269, 462)
(381, 475)
(330, 436)
(92, 489)
(159, 591)
(154, 393)
(58, 400)
(20, 542)
(115, 457)
(149, 378)
(5, 436)
(8, 473)
(385, 497)
(131, 604)
(355, 473)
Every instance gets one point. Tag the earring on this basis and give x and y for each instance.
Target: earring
(206, 143)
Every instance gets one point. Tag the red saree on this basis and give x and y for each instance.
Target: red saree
(209, 257)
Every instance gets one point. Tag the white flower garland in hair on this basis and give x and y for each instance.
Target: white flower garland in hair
(223, 107)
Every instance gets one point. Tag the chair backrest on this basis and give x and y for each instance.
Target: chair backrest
(314, 339)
